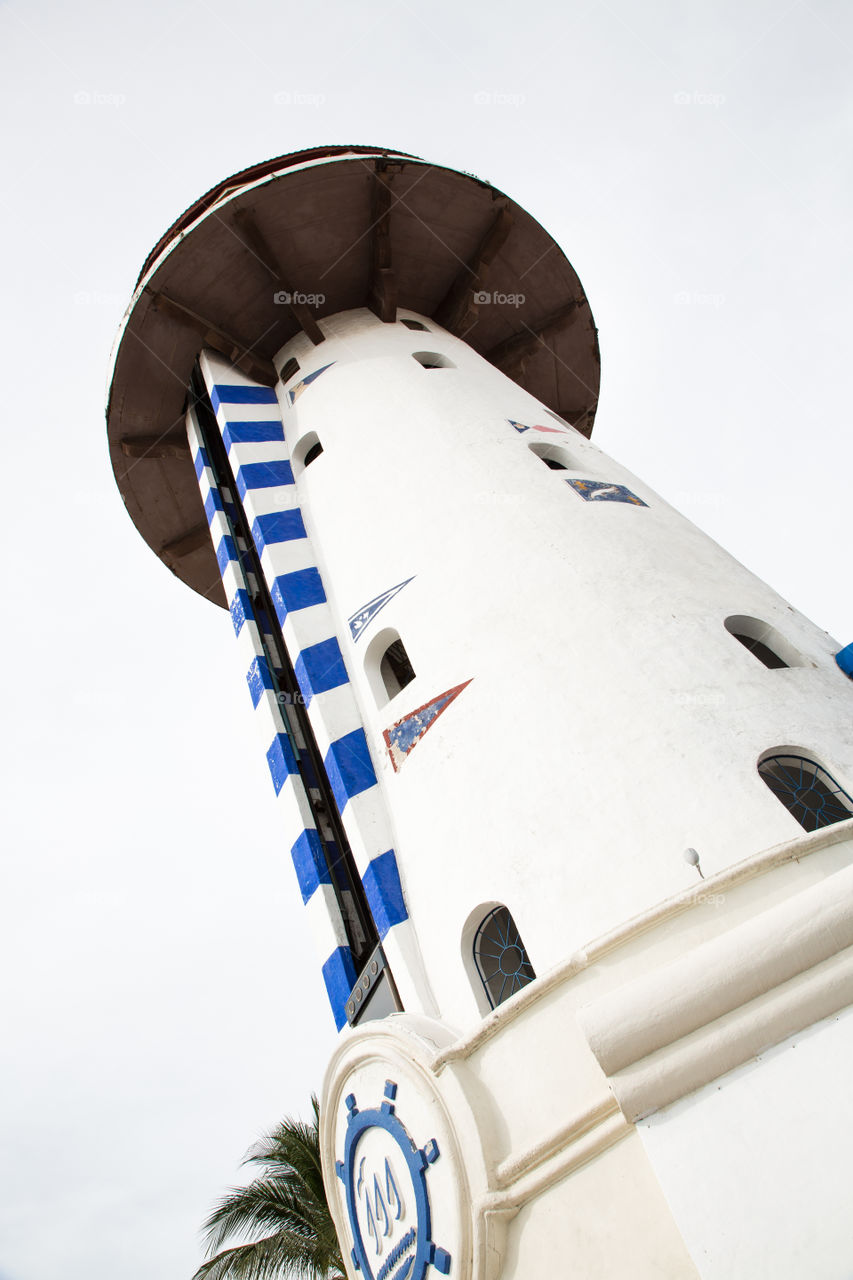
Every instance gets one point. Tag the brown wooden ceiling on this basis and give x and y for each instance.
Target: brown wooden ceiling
(363, 227)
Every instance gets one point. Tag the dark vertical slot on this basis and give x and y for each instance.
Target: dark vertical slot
(362, 936)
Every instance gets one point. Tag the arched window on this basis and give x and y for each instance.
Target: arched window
(763, 641)
(395, 668)
(387, 665)
(432, 360)
(501, 957)
(288, 369)
(307, 451)
(808, 792)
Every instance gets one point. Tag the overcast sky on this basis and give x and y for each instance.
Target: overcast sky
(161, 1003)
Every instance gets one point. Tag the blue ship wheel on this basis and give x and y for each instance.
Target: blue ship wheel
(414, 1251)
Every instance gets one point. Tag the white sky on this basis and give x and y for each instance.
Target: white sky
(161, 1000)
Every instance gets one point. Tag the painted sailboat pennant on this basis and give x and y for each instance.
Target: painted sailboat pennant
(519, 426)
(402, 738)
(296, 391)
(368, 612)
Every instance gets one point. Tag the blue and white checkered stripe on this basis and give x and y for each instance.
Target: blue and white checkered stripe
(325, 918)
(250, 422)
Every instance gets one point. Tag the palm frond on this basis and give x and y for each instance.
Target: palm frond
(283, 1214)
(276, 1257)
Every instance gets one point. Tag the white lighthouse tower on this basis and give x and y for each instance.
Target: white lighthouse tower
(566, 788)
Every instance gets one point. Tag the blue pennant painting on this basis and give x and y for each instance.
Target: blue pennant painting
(601, 491)
(296, 391)
(367, 612)
(404, 736)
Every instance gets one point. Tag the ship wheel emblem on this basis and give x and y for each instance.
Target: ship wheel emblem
(385, 1180)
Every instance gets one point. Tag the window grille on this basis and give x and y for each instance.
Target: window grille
(500, 956)
(808, 792)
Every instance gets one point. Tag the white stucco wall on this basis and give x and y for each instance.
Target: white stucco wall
(611, 721)
(756, 1166)
(608, 721)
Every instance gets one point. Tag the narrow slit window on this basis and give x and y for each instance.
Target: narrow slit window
(396, 668)
(432, 360)
(288, 369)
(313, 453)
(414, 324)
(556, 457)
(806, 789)
(500, 957)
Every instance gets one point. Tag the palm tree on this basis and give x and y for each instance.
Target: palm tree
(284, 1211)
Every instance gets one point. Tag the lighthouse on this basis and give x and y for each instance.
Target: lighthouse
(566, 789)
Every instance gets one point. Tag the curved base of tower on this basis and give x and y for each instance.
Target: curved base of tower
(671, 1101)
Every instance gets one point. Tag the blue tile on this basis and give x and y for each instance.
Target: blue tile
(320, 667)
(201, 461)
(281, 761)
(349, 767)
(602, 491)
(251, 433)
(228, 393)
(263, 475)
(258, 679)
(291, 591)
(225, 552)
(339, 976)
(278, 526)
(241, 610)
(844, 658)
(212, 504)
(384, 892)
(310, 863)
